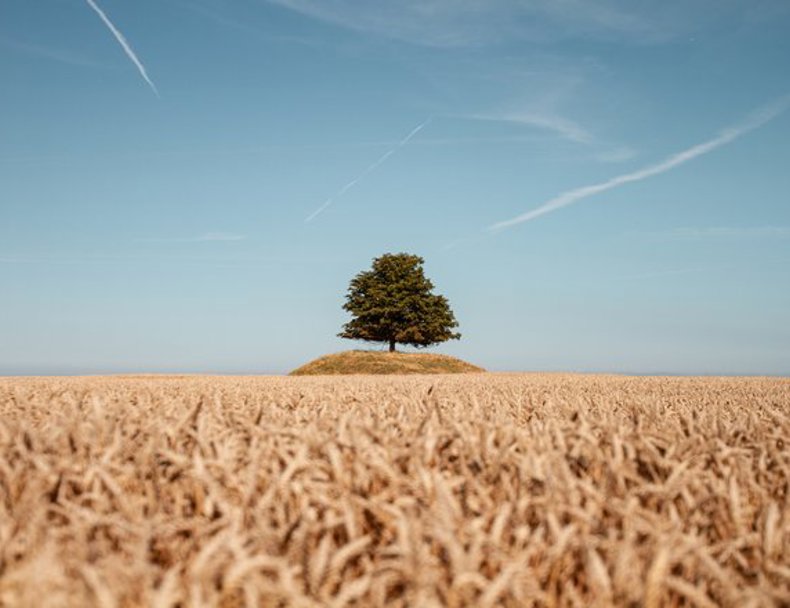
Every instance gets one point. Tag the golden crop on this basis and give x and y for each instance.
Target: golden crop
(472, 490)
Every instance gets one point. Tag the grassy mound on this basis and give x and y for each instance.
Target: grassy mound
(374, 362)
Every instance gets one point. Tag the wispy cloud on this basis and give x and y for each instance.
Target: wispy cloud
(77, 156)
(754, 121)
(559, 125)
(551, 121)
(618, 154)
(221, 236)
(99, 258)
(203, 238)
(370, 169)
(124, 45)
(60, 55)
(453, 23)
(458, 23)
(661, 273)
(245, 26)
(726, 233)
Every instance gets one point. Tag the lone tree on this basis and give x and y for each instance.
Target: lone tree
(392, 302)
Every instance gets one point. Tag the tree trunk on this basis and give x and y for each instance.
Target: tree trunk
(392, 346)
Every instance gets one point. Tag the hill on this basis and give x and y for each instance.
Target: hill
(375, 362)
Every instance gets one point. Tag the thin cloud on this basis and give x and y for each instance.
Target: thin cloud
(619, 154)
(474, 23)
(726, 136)
(209, 237)
(661, 273)
(370, 169)
(727, 232)
(76, 157)
(450, 23)
(564, 127)
(221, 236)
(246, 26)
(124, 45)
(60, 55)
(157, 259)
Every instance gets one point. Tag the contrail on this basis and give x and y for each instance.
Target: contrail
(371, 168)
(754, 121)
(124, 44)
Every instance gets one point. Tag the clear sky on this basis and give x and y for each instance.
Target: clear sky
(596, 185)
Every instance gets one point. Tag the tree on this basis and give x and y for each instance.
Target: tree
(393, 303)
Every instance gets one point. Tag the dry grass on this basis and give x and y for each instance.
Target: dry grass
(471, 490)
(377, 362)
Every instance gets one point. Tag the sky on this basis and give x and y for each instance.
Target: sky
(595, 185)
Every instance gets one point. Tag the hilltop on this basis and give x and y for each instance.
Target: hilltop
(375, 362)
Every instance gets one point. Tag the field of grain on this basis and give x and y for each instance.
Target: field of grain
(471, 490)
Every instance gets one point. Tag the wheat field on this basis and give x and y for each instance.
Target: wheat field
(470, 490)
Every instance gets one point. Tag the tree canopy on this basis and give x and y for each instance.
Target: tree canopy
(393, 302)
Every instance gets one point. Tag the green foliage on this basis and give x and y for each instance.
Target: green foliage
(393, 303)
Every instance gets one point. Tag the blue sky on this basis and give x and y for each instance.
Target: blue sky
(595, 185)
